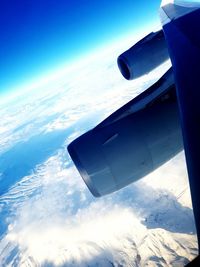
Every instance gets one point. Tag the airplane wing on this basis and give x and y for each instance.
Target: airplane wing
(181, 25)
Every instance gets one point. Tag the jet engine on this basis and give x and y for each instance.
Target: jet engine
(144, 56)
(132, 142)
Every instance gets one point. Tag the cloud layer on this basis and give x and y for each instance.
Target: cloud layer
(48, 216)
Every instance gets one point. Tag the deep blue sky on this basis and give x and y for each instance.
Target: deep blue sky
(39, 35)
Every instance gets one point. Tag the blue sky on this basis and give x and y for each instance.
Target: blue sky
(37, 36)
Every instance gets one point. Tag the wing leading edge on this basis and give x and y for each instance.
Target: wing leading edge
(181, 25)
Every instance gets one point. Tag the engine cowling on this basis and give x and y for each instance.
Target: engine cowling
(144, 56)
(132, 142)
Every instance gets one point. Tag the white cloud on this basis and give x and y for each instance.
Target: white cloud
(81, 238)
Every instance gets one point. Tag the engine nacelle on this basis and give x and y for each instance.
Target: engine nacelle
(144, 56)
(132, 142)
